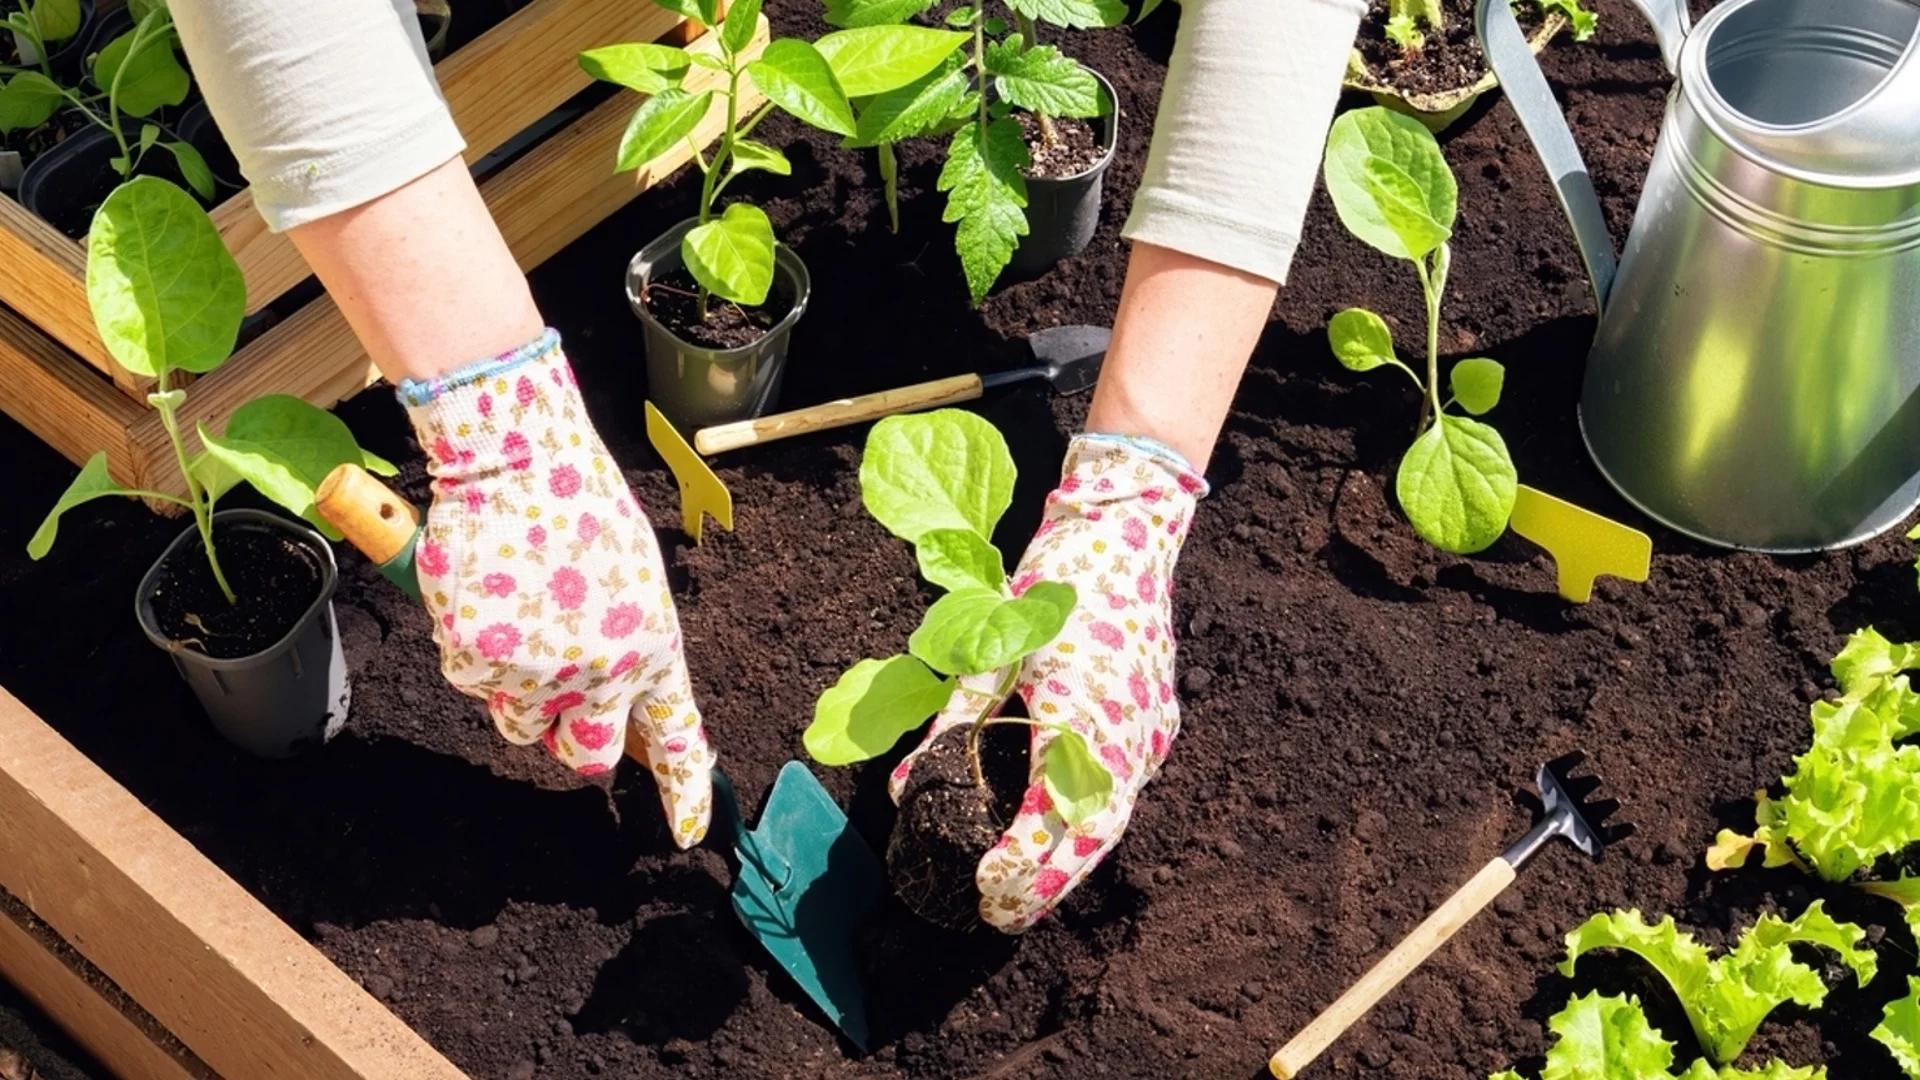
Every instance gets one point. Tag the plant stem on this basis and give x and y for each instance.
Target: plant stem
(197, 498)
(126, 155)
(1430, 405)
(39, 43)
(980, 65)
(980, 723)
(1030, 37)
(722, 159)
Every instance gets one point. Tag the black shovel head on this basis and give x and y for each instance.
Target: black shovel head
(1072, 355)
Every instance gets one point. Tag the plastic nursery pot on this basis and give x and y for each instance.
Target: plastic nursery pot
(1438, 111)
(196, 126)
(1063, 214)
(66, 57)
(65, 185)
(288, 697)
(695, 385)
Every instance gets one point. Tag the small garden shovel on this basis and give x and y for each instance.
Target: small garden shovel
(1568, 814)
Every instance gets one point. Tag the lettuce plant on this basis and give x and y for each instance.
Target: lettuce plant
(730, 253)
(1406, 18)
(1726, 997)
(168, 298)
(1899, 1030)
(1392, 189)
(940, 481)
(1600, 1037)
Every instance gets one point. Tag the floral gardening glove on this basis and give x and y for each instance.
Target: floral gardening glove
(544, 580)
(1112, 529)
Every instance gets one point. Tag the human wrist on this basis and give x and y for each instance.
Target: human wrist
(1155, 462)
(499, 414)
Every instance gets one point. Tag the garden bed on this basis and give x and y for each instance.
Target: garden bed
(1359, 710)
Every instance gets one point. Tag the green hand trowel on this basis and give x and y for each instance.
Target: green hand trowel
(806, 883)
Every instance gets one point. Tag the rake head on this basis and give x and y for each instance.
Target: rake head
(1571, 811)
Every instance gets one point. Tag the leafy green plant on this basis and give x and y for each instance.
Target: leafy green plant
(730, 253)
(1393, 190)
(1899, 1030)
(983, 177)
(1407, 20)
(940, 481)
(1854, 796)
(38, 25)
(1601, 1037)
(1727, 997)
(167, 298)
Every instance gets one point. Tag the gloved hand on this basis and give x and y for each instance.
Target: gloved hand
(1112, 530)
(548, 595)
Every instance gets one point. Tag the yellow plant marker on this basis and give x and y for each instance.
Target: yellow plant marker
(701, 492)
(1583, 544)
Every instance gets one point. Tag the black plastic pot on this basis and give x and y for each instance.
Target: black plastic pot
(1063, 214)
(197, 128)
(697, 386)
(289, 697)
(65, 185)
(67, 59)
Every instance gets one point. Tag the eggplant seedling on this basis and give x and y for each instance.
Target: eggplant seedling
(1392, 189)
(37, 26)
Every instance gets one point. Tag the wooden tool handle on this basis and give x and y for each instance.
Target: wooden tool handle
(1412, 951)
(837, 414)
(367, 512)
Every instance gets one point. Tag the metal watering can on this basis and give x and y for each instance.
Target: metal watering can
(1755, 380)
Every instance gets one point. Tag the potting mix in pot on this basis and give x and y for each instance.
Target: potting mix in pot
(1047, 850)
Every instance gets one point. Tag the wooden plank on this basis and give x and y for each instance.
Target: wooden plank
(235, 984)
(497, 86)
(118, 1033)
(43, 276)
(61, 400)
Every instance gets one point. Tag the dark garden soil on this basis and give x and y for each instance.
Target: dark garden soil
(947, 820)
(274, 580)
(1360, 711)
(1075, 147)
(674, 300)
(1449, 58)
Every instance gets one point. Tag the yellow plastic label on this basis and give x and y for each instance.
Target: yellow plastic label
(1583, 544)
(701, 492)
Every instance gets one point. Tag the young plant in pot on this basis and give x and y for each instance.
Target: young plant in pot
(1422, 58)
(940, 481)
(242, 600)
(717, 294)
(1392, 189)
(47, 38)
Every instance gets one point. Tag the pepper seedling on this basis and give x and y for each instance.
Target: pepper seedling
(1393, 190)
(1605, 1037)
(940, 480)
(167, 297)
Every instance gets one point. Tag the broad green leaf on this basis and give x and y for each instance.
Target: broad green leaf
(1389, 182)
(1869, 657)
(743, 18)
(646, 68)
(848, 14)
(1605, 1038)
(987, 196)
(870, 60)
(153, 78)
(28, 101)
(978, 630)
(1076, 781)
(871, 707)
(1904, 891)
(659, 123)
(1073, 14)
(1679, 959)
(796, 77)
(1361, 340)
(691, 9)
(748, 154)
(709, 11)
(1899, 1029)
(1457, 485)
(149, 134)
(1044, 80)
(1476, 384)
(57, 20)
(284, 447)
(946, 469)
(92, 483)
(915, 109)
(165, 293)
(732, 255)
(957, 559)
(193, 168)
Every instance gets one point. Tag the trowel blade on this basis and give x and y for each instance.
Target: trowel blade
(1072, 355)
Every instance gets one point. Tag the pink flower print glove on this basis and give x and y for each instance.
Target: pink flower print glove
(1112, 530)
(544, 580)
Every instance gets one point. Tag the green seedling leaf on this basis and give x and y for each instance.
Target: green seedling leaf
(1073, 14)
(165, 293)
(1476, 384)
(153, 78)
(960, 18)
(743, 18)
(1869, 658)
(849, 14)
(795, 76)
(987, 196)
(1076, 781)
(978, 630)
(1405, 33)
(748, 154)
(871, 707)
(92, 483)
(659, 124)
(691, 9)
(1773, 1070)
(946, 469)
(960, 559)
(1044, 80)
(1899, 1029)
(57, 20)
(284, 447)
(1362, 342)
(149, 134)
(1389, 182)
(1602, 1037)
(732, 255)
(1582, 21)
(1417, 12)
(872, 60)
(646, 68)
(1457, 485)
(193, 168)
(707, 60)
(915, 109)
(28, 101)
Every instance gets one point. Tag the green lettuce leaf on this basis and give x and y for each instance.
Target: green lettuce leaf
(1899, 1030)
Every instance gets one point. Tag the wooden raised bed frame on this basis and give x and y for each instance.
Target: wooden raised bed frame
(57, 380)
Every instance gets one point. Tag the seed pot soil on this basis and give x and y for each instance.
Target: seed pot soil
(1360, 711)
